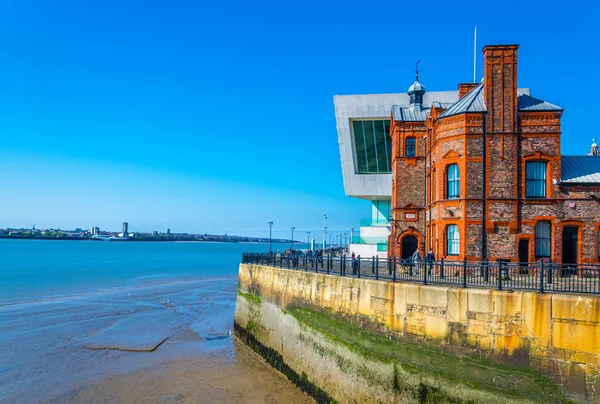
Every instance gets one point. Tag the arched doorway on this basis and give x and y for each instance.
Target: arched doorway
(409, 245)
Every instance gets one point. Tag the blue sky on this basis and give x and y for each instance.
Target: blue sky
(218, 116)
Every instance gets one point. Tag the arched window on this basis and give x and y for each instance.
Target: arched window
(543, 239)
(453, 181)
(536, 179)
(452, 240)
(410, 147)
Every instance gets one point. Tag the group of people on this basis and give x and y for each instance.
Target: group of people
(415, 261)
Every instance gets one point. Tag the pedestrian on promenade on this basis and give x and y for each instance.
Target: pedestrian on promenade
(353, 263)
(415, 260)
(429, 258)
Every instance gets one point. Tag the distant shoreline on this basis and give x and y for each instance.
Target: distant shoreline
(145, 240)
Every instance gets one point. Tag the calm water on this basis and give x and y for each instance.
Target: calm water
(66, 305)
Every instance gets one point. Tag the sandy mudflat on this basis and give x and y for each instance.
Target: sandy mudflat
(207, 379)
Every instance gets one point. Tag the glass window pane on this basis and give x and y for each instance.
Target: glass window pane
(370, 144)
(452, 239)
(359, 144)
(380, 139)
(410, 147)
(535, 179)
(373, 146)
(543, 239)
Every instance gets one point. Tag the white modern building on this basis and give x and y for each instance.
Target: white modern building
(363, 123)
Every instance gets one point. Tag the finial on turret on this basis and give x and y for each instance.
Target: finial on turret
(417, 70)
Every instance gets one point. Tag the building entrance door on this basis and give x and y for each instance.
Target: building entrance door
(570, 241)
(409, 245)
(523, 255)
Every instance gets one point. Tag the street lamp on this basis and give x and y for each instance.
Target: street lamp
(270, 238)
(293, 228)
(324, 232)
(308, 240)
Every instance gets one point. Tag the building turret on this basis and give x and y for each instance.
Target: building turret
(594, 149)
(416, 91)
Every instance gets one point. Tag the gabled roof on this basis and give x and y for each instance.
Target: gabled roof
(471, 102)
(409, 114)
(529, 103)
(474, 101)
(580, 169)
(441, 105)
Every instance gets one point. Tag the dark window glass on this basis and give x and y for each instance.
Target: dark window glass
(452, 240)
(536, 179)
(453, 181)
(543, 239)
(410, 148)
(372, 144)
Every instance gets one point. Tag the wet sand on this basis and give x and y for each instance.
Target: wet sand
(158, 343)
(199, 380)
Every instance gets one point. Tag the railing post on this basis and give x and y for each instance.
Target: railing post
(465, 272)
(542, 276)
(280, 261)
(549, 270)
(330, 266)
(373, 264)
(358, 266)
(377, 267)
(486, 271)
(424, 273)
(442, 268)
(500, 274)
(394, 270)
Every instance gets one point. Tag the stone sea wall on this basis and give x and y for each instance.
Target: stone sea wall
(356, 340)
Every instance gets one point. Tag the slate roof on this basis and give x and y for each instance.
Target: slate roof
(409, 114)
(529, 103)
(473, 101)
(580, 169)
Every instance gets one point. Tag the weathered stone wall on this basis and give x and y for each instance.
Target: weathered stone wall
(366, 341)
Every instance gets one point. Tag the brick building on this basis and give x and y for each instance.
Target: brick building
(484, 178)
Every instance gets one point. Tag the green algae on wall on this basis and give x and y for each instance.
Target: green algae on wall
(442, 375)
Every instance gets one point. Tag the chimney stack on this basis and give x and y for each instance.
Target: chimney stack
(464, 88)
(500, 87)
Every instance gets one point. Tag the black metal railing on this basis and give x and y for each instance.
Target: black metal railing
(501, 274)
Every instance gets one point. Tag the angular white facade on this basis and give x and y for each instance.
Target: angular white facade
(376, 187)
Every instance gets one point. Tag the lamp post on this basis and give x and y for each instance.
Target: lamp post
(308, 240)
(330, 237)
(270, 238)
(324, 232)
(293, 228)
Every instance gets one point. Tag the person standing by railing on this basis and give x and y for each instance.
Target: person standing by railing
(415, 260)
(429, 258)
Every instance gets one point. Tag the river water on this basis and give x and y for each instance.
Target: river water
(126, 322)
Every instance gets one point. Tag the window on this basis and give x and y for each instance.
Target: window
(410, 147)
(372, 145)
(453, 181)
(543, 238)
(536, 179)
(452, 239)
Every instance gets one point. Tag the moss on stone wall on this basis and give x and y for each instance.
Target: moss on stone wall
(441, 375)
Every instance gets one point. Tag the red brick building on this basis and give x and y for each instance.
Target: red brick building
(484, 178)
